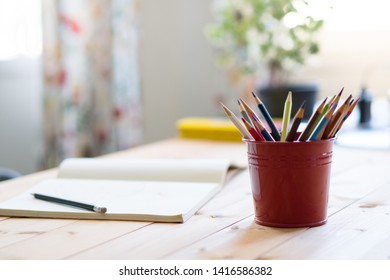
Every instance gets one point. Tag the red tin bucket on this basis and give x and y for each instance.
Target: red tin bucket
(290, 182)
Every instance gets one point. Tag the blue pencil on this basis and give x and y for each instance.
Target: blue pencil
(267, 117)
(320, 128)
(262, 129)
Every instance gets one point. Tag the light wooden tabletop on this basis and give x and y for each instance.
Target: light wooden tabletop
(358, 224)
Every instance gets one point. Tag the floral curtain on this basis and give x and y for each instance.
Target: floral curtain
(91, 79)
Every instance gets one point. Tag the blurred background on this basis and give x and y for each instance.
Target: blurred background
(84, 78)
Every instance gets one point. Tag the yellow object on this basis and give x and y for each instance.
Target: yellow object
(208, 128)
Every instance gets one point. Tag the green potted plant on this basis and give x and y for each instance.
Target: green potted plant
(272, 37)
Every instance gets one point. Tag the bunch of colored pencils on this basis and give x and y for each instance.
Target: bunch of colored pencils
(324, 123)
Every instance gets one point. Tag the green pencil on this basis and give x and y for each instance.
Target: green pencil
(312, 122)
(243, 112)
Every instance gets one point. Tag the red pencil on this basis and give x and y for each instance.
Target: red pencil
(256, 135)
(261, 129)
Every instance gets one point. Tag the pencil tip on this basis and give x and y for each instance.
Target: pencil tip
(257, 99)
(238, 101)
(227, 111)
(289, 96)
(223, 105)
(243, 103)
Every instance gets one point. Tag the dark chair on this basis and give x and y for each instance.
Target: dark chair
(6, 174)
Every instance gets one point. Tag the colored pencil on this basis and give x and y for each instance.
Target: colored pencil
(332, 101)
(296, 122)
(326, 107)
(350, 110)
(243, 112)
(336, 118)
(250, 112)
(267, 117)
(337, 98)
(319, 130)
(252, 131)
(338, 122)
(313, 121)
(286, 117)
(260, 128)
(237, 123)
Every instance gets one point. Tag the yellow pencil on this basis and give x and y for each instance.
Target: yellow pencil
(286, 117)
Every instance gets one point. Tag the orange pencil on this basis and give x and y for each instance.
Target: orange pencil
(250, 112)
(350, 110)
(337, 99)
(336, 118)
(333, 131)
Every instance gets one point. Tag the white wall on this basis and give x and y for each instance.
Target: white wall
(177, 71)
(20, 114)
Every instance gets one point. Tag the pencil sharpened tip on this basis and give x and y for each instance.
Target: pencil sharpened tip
(289, 96)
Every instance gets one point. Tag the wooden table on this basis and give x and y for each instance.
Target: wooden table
(358, 226)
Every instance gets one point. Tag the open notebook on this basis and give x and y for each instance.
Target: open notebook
(159, 190)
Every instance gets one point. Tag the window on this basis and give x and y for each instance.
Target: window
(353, 15)
(20, 29)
